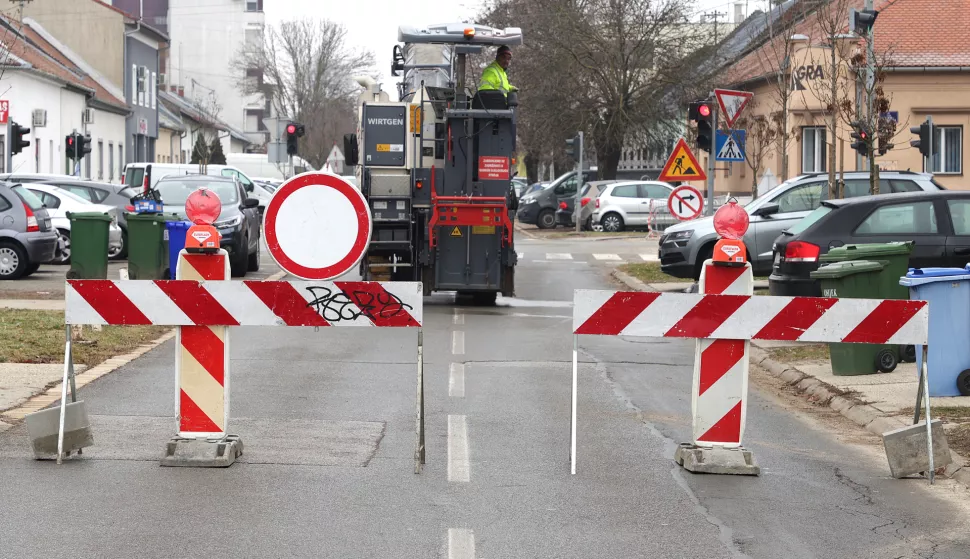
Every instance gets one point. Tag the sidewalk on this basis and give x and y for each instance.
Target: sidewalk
(878, 402)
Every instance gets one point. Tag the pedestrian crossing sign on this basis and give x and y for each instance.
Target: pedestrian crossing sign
(682, 165)
(729, 145)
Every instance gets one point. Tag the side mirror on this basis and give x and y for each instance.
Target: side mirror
(251, 203)
(350, 149)
(767, 209)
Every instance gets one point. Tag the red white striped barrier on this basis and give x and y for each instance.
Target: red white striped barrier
(245, 303)
(719, 318)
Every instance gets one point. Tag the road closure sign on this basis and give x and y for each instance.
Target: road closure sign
(317, 226)
(685, 202)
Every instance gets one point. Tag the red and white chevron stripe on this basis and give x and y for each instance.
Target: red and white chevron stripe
(720, 388)
(749, 317)
(245, 303)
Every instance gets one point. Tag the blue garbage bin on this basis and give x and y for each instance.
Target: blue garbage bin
(176, 242)
(948, 293)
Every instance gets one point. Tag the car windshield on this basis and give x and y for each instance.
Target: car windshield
(62, 193)
(29, 197)
(176, 192)
(808, 220)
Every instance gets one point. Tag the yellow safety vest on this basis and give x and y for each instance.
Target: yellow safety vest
(494, 77)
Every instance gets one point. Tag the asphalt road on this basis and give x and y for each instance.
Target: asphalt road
(327, 418)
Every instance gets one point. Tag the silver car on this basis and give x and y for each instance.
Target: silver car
(629, 204)
(27, 239)
(685, 247)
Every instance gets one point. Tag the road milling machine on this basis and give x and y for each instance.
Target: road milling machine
(436, 166)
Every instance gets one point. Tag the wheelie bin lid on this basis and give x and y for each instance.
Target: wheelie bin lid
(868, 250)
(920, 276)
(94, 216)
(847, 268)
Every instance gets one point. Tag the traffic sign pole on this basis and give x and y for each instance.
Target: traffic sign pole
(579, 185)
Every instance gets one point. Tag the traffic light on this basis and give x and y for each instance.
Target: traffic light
(70, 146)
(18, 134)
(573, 144)
(83, 145)
(294, 131)
(861, 21)
(861, 134)
(702, 113)
(925, 133)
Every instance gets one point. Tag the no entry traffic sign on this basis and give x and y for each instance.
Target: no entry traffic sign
(685, 202)
(317, 226)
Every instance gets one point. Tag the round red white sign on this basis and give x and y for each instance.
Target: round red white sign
(685, 202)
(317, 226)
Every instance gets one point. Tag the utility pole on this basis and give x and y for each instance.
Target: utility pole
(870, 102)
(579, 185)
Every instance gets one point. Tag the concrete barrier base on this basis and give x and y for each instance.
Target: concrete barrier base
(42, 429)
(197, 453)
(907, 453)
(717, 460)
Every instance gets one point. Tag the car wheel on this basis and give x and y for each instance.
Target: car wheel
(239, 260)
(886, 360)
(31, 268)
(589, 223)
(254, 259)
(63, 253)
(963, 383)
(612, 223)
(13, 260)
(123, 253)
(546, 219)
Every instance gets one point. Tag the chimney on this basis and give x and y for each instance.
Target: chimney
(738, 12)
(181, 91)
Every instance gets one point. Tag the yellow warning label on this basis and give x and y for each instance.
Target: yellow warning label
(682, 165)
(415, 118)
(456, 232)
(383, 147)
(483, 230)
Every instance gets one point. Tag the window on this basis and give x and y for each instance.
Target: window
(625, 191)
(121, 161)
(254, 39)
(960, 213)
(111, 161)
(154, 86)
(802, 198)
(948, 144)
(860, 187)
(50, 157)
(51, 202)
(654, 191)
(914, 218)
(568, 186)
(809, 220)
(254, 5)
(80, 191)
(100, 160)
(5, 204)
(813, 149)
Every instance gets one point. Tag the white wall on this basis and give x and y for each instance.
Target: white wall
(26, 93)
(203, 47)
(109, 129)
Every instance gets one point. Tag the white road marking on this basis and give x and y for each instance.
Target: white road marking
(559, 262)
(456, 381)
(521, 255)
(614, 257)
(650, 257)
(458, 466)
(459, 319)
(461, 543)
(558, 256)
(458, 343)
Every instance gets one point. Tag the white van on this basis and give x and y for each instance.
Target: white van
(135, 177)
(258, 165)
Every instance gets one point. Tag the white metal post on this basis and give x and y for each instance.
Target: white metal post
(929, 426)
(572, 452)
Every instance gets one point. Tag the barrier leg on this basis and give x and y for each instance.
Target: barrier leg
(202, 373)
(63, 411)
(929, 420)
(419, 452)
(572, 425)
(720, 388)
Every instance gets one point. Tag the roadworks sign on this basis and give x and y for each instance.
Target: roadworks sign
(456, 232)
(682, 165)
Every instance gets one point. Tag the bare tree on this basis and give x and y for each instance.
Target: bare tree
(760, 141)
(207, 130)
(306, 67)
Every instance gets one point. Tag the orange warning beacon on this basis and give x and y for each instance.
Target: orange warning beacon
(731, 223)
(203, 208)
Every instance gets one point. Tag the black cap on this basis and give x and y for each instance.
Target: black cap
(502, 49)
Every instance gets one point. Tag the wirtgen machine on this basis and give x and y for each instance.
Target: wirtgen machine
(436, 166)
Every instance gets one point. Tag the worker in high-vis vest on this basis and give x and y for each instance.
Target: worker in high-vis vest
(495, 77)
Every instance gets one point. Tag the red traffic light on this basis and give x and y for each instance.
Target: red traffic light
(291, 129)
(70, 141)
(704, 110)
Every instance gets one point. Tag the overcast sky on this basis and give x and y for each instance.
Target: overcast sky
(373, 24)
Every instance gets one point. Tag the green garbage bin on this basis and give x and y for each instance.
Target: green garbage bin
(89, 245)
(148, 246)
(895, 256)
(856, 279)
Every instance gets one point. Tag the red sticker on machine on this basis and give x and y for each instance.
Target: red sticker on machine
(491, 168)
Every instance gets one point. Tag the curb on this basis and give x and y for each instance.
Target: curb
(824, 394)
(524, 232)
(53, 394)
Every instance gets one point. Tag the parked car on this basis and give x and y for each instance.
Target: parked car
(539, 208)
(238, 224)
(117, 195)
(589, 193)
(628, 204)
(27, 238)
(938, 223)
(685, 247)
(58, 202)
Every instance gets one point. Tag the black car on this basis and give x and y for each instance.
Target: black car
(539, 208)
(238, 224)
(938, 224)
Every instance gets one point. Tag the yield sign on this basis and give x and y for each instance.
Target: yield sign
(732, 103)
(682, 165)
